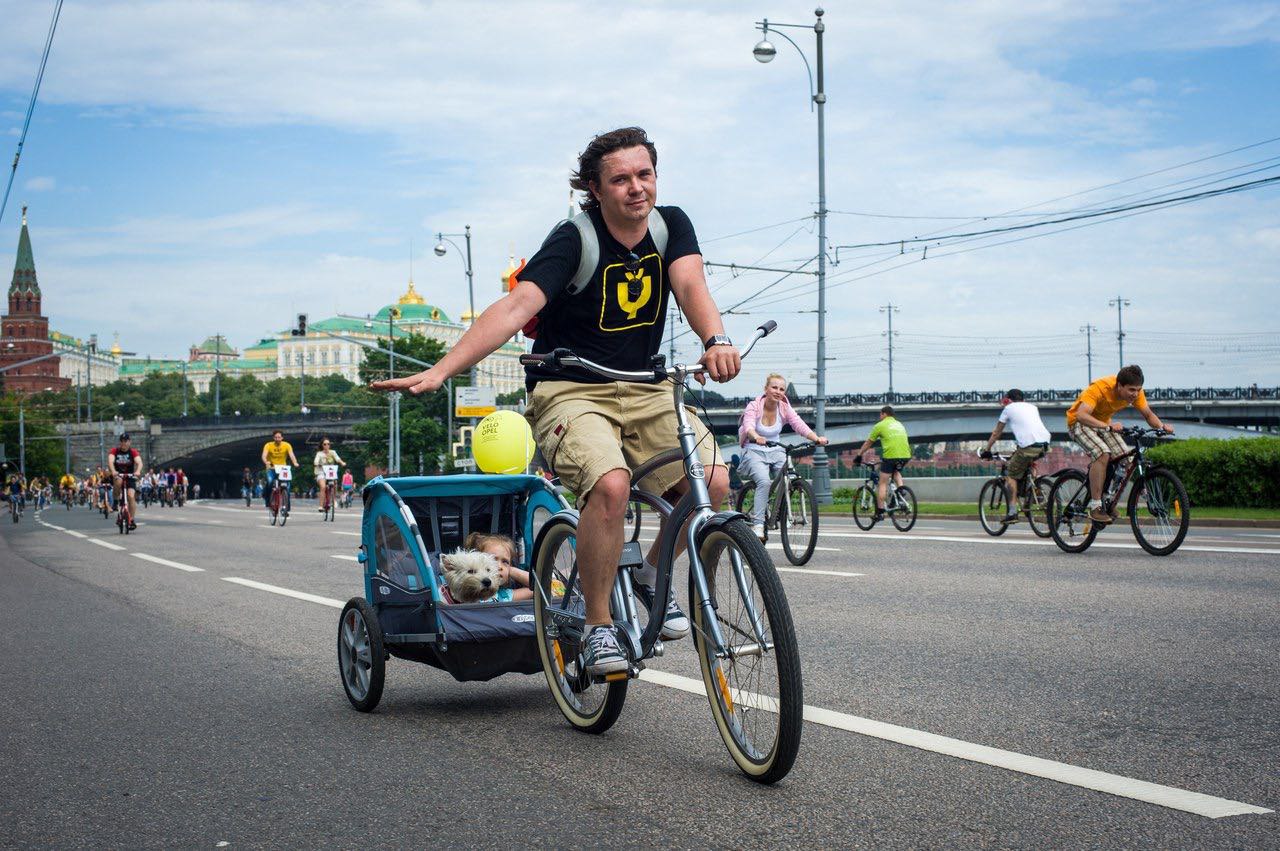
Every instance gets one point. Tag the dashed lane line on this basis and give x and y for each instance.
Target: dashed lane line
(175, 564)
(1087, 778)
(103, 543)
(818, 572)
(352, 534)
(346, 558)
(285, 592)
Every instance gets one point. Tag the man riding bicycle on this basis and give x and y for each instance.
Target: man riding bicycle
(326, 457)
(895, 452)
(276, 452)
(67, 486)
(1029, 433)
(125, 464)
(593, 432)
(1089, 424)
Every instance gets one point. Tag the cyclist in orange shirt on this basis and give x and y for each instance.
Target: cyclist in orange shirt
(1089, 424)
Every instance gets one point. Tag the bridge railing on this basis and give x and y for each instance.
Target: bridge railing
(268, 421)
(993, 397)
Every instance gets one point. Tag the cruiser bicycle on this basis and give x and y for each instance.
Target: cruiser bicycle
(793, 508)
(1158, 507)
(742, 627)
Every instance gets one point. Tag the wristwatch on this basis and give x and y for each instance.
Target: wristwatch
(717, 340)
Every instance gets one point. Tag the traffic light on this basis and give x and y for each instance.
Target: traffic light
(462, 448)
(301, 330)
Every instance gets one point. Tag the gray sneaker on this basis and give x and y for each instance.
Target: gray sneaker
(602, 654)
(674, 622)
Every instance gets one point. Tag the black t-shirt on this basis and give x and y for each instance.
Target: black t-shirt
(617, 319)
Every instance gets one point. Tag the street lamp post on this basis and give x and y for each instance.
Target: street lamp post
(440, 251)
(1119, 303)
(217, 376)
(764, 52)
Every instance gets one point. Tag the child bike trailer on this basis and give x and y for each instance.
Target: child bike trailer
(407, 524)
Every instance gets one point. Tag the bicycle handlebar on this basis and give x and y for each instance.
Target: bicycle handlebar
(808, 444)
(559, 358)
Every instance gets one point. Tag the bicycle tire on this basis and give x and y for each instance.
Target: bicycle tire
(1038, 507)
(864, 507)
(286, 502)
(273, 507)
(745, 501)
(1069, 522)
(589, 706)
(736, 685)
(635, 518)
(993, 505)
(901, 522)
(1165, 499)
(800, 502)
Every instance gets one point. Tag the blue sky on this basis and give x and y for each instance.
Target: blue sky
(217, 167)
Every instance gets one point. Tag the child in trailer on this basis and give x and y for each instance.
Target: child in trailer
(513, 582)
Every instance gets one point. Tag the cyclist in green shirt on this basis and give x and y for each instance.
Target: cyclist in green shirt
(895, 452)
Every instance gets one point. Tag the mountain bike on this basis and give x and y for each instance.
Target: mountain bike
(742, 627)
(899, 503)
(793, 508)
(1033, 500)
(329, 501)
(1158, 507)
(281, 500)
(124, 517)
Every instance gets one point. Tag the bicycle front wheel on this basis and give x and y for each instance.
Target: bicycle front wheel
(864, 507)
(799, 522)
(905, 517)
(1159, 512)
(1037, 502)
(559, 610)
(993, 505)
(755, 690)
(1069, 522)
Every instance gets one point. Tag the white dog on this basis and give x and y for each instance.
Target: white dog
(472, 576)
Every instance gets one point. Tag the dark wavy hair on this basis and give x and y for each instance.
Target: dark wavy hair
(606, 143)
(1130, 376)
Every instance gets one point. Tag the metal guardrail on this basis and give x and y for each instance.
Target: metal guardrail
(268, 420)
(993, 397)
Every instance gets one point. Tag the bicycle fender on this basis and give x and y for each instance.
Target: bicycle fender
(718, 520)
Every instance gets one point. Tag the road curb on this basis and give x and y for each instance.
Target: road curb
(1204, 523)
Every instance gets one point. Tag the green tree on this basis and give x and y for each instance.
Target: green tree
(40, 411)
(422, 418)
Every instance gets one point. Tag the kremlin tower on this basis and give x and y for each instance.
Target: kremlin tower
(24, 330)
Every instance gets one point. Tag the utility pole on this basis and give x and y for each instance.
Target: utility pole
(301, 331)
(217, 376)
(77, 395)
(88, 371)
(184, 388)
(393, 403)
(1119, 303)
(890, 309)
(1088, 330)
(22, 440)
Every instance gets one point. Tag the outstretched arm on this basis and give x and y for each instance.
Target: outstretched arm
(495, 326)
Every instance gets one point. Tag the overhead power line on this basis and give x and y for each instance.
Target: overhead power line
(31, 106)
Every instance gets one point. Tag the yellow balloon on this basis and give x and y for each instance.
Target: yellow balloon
(502, 443)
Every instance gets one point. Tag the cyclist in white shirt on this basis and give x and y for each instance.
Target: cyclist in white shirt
(1029, 432)
(326, 456)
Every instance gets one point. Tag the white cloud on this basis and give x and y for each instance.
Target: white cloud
(40, 184)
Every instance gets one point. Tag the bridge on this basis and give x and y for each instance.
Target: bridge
(970, 415)
(209, 449)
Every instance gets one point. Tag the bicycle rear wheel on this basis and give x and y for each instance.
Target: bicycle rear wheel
(634, 519)
(1159, 512)
(746, 498)
(1069, 522)
(993, 505)
(864, 507)
(756, 691)
(799, 521)
(905, 517)
(1037, 503)
(558, 613)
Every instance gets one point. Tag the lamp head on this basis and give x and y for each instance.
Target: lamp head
(764, 51)
(440, 249)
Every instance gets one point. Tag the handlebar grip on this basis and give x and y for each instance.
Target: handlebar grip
(768, 327)
(530, 359)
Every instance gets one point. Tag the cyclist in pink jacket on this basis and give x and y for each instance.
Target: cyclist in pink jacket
(762, 423)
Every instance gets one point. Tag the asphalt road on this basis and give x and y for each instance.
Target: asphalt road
(963, 691)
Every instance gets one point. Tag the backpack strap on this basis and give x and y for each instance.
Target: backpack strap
(589, 257)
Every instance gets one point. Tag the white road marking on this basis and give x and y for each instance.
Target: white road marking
(179, 565)
(286, 592)
(103, 543)
(352, 534)
(75, 534)
(771, 546)
(1113, 784)
(957, 539)
(347, 558)
(819, 572)
(51, 526)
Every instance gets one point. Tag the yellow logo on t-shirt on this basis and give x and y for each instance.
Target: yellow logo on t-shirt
(629, 297)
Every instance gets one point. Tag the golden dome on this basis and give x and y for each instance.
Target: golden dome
(511, 269)
(467, 316)
(411, 296)
(116, 351)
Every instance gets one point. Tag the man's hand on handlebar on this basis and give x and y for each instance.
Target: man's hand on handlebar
(422, 382)
(723, 364)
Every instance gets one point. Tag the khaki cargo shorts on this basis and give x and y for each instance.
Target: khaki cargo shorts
(586, 430)
(1022, 459)
(1097, 441)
